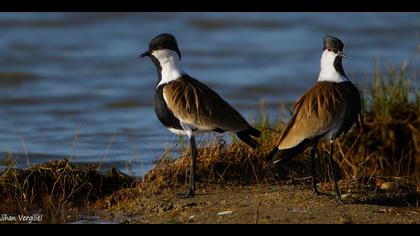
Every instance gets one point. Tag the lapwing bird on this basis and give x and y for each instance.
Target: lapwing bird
(188, 107)
(325, 112)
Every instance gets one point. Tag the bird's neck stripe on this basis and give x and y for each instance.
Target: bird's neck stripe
(329, 71)
(170, 64)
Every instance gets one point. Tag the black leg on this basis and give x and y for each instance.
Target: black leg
(191, 186)
(313, 151)
(337, 191)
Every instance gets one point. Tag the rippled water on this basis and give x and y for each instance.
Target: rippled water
(71, 84)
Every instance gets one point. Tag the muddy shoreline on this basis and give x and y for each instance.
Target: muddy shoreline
(264, 204)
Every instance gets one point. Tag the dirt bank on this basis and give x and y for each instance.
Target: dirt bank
(265, 203)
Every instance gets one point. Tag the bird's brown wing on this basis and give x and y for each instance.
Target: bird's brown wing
(195, 104)
(316, 113)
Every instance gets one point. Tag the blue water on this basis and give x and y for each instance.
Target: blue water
(78, 68)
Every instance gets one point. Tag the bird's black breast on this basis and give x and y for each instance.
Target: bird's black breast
(162, 111)
(352, 99)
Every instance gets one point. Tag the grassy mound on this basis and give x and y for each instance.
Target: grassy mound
(57, 185)
(217, 162)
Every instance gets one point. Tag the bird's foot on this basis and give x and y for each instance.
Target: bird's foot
(316, 192)
(314, 189)
(190, 193)
(339, 201)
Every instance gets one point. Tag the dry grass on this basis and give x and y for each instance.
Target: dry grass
(56, 187)
(387, 143)
(217, 162)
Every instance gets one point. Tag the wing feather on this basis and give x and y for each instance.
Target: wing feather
(197, 105)
(315, 113)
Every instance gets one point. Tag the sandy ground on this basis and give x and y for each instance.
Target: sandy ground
(265, 204)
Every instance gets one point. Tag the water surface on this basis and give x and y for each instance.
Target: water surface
(71, 84)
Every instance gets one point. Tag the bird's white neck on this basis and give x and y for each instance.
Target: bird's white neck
(328, 71)
(171, 65)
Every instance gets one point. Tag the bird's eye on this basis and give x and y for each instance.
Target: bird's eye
(329, 49)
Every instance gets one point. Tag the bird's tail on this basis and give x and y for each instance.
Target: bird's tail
(245, 136)
(277, 156)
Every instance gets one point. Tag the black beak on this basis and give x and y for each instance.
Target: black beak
(341, 54)
(145, 54)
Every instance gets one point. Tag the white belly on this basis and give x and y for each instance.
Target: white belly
(177, 131)
(183, 132)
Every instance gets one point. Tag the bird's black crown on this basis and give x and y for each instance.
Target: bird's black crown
(333, 43)
(164, 41)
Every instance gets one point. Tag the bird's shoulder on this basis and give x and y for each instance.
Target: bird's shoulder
(188, 95)
(194, 103)
(321, 98)
(187, 85)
